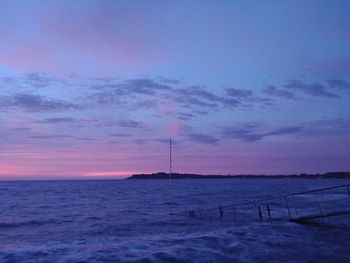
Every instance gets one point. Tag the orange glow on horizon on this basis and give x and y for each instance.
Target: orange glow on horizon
(8, 170)
(110, 173)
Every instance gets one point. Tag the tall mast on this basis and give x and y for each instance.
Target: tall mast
(170, 161)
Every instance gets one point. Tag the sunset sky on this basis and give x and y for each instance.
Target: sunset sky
(96, 88)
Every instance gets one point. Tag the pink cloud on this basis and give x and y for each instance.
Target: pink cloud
(27, 58)
(175, 126)
(94, 41)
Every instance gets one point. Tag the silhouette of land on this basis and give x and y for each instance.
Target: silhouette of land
(161, 175)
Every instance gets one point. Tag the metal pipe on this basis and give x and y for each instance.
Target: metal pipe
(287, 206)
(260, 214)
(276, 197)
(221, 211)
(268, 210)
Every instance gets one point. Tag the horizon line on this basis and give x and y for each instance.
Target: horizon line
(8, 178)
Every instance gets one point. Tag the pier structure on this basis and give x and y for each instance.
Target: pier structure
(301, 207)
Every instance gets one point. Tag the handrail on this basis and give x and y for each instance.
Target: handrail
(262, 200)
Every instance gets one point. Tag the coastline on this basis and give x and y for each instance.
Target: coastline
(162, 175)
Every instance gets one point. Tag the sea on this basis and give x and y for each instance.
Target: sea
(148, 221)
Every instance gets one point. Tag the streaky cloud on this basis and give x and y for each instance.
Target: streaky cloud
(120, 135)
(202, 138)
(339, 84)
(53, 136)
(58, 120)
(197, 95)
(276, 92)
(239, 93)
(254, 133)
(21, 129)
(130, 124)
(286, 130)
(35, 103)
(314, 89)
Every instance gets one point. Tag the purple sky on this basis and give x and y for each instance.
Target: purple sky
(97, 88)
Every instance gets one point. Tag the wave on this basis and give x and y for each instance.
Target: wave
(25, 223)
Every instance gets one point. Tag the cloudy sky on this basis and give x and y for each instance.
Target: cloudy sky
(97, 88)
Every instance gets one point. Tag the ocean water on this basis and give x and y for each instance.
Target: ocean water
(130, 221)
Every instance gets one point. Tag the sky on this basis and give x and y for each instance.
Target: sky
(95, 89)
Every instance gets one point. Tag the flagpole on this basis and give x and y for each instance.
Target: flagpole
(170, 161)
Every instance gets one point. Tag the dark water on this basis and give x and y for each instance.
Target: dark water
(128, 221)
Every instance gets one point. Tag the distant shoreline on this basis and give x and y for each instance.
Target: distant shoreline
(161, 175)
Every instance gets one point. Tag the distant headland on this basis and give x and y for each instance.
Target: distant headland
(162, 175)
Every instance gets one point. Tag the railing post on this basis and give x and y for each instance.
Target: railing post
(295, 207)
(291, 202)
(234, 213)
(320, 206)
(260, 214)
(286, 199)
(268, 210)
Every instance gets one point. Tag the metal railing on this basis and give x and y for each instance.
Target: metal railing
(297, 207)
